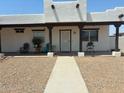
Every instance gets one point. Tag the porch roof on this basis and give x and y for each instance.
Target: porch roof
(21, 19)
(62, 24)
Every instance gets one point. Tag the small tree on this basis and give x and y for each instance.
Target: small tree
(37, 42)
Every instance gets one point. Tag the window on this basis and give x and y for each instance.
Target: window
(19, 30)
(89, 35)
(94, 36)
(38, 33)
(85, 35)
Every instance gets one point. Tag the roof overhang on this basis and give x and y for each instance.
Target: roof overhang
(62, 24)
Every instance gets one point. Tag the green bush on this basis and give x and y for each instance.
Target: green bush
(37, 41)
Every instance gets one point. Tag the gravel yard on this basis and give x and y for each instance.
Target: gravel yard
(25, 75)
(102, 74)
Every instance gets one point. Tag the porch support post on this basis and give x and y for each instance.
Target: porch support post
(1, 54)
(80, 53)
(50, 38)
(117, 37)
(117, 52)
(80, 40)
(0, 38)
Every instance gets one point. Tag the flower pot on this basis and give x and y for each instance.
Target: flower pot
(38, 50)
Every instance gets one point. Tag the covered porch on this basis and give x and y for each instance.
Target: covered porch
(66, 29)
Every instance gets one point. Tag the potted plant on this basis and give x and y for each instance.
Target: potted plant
(37, 42)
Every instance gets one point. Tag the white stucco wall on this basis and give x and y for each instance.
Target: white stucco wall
(22, 19)
(12, 41)
(103, 39)
(108, 15)
(112, 42)
(121, 43)
(65, 11)
(74, 37)
(101, 45)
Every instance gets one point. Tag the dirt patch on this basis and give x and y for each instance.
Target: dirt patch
(25, 75)
(102, 74)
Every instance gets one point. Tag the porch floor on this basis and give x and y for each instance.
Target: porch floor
(96, 53)
(87, 53)
(25, 54)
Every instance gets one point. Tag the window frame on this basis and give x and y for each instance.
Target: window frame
(38, 30)
(89, 36)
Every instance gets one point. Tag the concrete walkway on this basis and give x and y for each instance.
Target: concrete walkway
(66, 77)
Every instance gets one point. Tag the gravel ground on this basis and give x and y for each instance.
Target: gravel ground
(25, 75)
(103, 74)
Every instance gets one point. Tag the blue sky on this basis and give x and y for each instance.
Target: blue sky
(36, 6)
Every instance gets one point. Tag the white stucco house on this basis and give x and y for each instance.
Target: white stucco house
(65, 25)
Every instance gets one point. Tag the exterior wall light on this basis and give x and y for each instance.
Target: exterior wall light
(77, 6)
(52, 6)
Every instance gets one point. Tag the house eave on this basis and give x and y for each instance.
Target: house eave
(62, 24)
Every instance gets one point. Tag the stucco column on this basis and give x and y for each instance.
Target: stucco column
(117, 26)
(50, 38)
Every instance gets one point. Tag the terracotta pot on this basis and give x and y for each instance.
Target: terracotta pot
(38, 50)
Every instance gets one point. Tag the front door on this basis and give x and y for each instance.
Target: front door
(65, 41)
